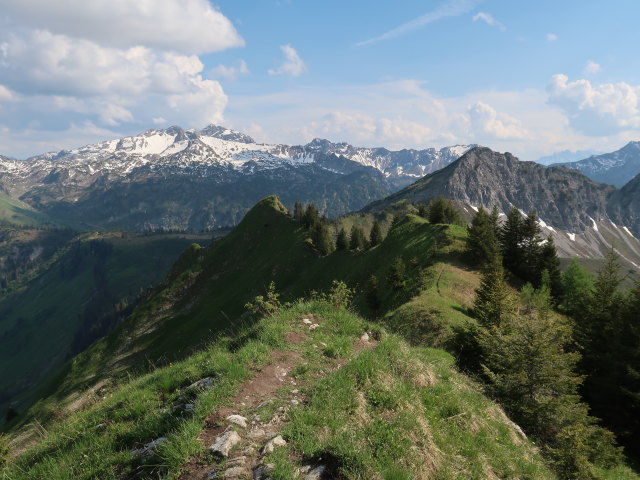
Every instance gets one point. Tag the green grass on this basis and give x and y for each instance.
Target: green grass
(208, 288)
(394, 411)
(38, 321)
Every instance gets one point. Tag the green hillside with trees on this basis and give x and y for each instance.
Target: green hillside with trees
(546, 347)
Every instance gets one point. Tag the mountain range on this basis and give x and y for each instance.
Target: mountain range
(615, 168)
(586, 218)
(175, 178)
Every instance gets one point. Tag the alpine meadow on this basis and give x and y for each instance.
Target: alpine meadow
(289, 240)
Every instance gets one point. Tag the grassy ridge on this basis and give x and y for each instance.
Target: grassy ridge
(392, 412)
(208, 288)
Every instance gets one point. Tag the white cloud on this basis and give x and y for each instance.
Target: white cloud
(5, 94)
(450, 8)
(591, 68)
(596, 110)
(485, 118)
(488, 18)
(187, 26)
(293, 65)
(552, 37)
(117, 86)
(232, 72)
(73, 73)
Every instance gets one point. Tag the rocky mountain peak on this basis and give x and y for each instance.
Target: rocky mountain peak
(562, 198)
(223, 133)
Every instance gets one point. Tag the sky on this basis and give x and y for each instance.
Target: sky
(528, 77)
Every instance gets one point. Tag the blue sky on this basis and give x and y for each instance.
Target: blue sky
(531, 78)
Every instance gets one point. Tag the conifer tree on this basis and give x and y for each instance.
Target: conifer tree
(441, 210)
(549, 262)
(298, 211)
(483, 247)
(532, 373)
(376, 234)
(342, 242)
(358, 240)
(494, 301)
(494, 218)
(577, 288)
(311, 217)
(373, 294)
(530, 248)
(322, 239)
(511, 239)
(607, 334)
(422, 210)
(396, 275)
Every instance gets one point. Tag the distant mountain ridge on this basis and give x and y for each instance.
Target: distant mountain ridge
(615, 168)
(562, 197)
(577, 211)
(207, 178)
(566, 156)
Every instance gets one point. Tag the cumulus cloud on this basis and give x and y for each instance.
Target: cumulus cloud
(107, 81)
(187, 26)
(232, 72)
(596, 110)
(488, 18)
(121, 63)
(591, 68)
(552, 37)
(293, 65)
(485, 118)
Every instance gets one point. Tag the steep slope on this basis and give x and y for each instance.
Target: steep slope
(207, 178)
(357, 407)
(208, 288)
(615, 168)
(562, 198)
(345, 395)
(624, 206)
(91, 284)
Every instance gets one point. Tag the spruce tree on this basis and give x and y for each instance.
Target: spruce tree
(606, 332)
(396, 275)
(298, 211)
(358, 240)
(530, 248)
(311, 217)
(422, 210)
(373, 294)
(494, 302)
(577, 288)
(511, 239)
(322, 239)
(531, 372)
(549, 262)
(376, 234)
(441, 210)
(483, 247)
(342, 242)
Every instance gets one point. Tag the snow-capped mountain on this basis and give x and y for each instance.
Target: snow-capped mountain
(172, 163)
(615, 168)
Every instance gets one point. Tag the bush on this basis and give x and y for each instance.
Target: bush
(266, 305)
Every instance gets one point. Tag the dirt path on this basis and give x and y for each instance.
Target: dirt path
(273, 390)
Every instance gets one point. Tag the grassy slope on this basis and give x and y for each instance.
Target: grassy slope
(38, 322)
(395, 412)
(405, 389)
(208, 290)
(15, 212)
